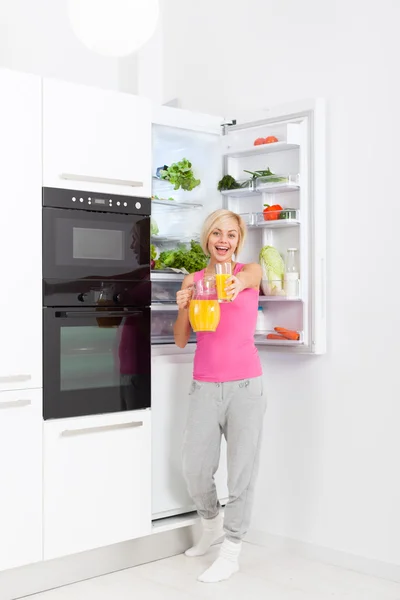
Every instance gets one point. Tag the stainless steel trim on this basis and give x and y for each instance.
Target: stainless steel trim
(15, 404)
(100, 428)
(109, 180)
(16, 378)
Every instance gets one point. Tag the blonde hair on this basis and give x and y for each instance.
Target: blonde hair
(216, 218)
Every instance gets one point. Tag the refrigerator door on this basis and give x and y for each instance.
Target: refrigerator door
(283, 157)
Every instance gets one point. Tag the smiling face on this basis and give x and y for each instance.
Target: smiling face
(223, 240)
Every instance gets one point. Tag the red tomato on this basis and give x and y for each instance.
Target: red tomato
(271, 139)
(259, 141)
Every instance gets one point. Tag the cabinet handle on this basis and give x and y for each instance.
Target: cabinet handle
(15, 404)
(91, 179)
(11, 378)
(100, 428)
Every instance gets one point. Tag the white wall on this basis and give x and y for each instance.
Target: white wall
(329, 473)
(36, 37)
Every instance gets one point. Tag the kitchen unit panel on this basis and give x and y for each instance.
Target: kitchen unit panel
(96, 140)
(20, 231)
(171, 379)
(97, 481)
(21, 477)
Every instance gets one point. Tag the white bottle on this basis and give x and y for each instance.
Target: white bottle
(291, 274)
(260, 325)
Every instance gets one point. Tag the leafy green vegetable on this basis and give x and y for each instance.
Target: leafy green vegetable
(153, 227)
(273, 266)
(266, 173)
(180, 174)
(228, 183)
(153, 252)
(191, 259)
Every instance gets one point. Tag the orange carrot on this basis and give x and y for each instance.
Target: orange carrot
(289, 334)
(275, 336)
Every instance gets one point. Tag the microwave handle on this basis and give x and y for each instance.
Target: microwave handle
(105, 180)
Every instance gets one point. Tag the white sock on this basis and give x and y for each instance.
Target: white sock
(226, 564)
(212, 531)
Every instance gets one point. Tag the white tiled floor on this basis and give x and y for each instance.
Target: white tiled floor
(265, 573)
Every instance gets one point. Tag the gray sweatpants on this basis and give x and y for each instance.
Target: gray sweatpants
(236, 410)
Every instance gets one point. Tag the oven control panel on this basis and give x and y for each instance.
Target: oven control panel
(94, 201)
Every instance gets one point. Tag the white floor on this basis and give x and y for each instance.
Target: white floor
(265, 574)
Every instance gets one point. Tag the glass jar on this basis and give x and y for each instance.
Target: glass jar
(204, 311)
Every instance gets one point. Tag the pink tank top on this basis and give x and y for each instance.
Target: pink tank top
(229, 353)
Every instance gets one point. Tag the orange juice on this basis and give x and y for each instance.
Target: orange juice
(221, 279)
(204, 314)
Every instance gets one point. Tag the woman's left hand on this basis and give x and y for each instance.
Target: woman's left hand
(234, 286)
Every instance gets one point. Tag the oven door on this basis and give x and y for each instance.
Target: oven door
(94, 245)
(95, 361)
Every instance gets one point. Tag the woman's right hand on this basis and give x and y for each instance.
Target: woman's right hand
(183, 298)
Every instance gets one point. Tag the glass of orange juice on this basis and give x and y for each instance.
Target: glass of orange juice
(204, 311)
(222, 273)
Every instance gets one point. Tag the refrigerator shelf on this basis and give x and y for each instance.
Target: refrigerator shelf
(240, 152)
(279, 299)
(273, 184)
(260, 339)
(173, 205)
(174, 239)
(288, 217)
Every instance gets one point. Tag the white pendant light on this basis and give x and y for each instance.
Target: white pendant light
(113, 27)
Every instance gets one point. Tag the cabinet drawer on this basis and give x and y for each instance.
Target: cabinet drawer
(97, 474)
(21, 477)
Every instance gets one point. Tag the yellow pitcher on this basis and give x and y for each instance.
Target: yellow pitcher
(204, 311)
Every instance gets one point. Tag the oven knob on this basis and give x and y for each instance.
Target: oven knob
(138, 205)
(81, 297)
(125, 204)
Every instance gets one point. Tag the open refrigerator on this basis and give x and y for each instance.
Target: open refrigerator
(287, 171)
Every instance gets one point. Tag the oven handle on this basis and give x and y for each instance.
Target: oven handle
(99, 313)
(100, 428)
(105, 180)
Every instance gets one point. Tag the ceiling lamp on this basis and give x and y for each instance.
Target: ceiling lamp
(113, 27)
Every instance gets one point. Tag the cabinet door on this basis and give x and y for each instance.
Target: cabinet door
(20, 231)
(21, 478)
(172, 376)
(96, 140)
(97, 481)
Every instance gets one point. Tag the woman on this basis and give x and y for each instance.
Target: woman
(226, 397)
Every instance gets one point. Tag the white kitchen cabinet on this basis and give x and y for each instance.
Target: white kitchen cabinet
(96, 140)
(97, 481)
(21, 478)
(171, 379)
(20, 231)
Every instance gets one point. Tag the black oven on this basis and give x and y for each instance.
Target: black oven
(96, 304)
